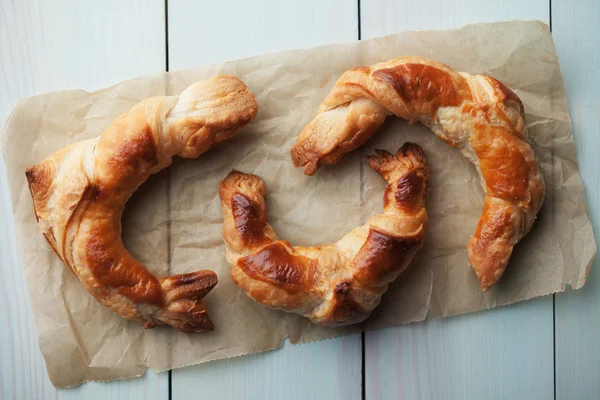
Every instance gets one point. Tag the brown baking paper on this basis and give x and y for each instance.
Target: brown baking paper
(173, 223)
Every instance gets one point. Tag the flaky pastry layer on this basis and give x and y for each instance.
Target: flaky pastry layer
(475, 113)
(337, 284)
(79, 194)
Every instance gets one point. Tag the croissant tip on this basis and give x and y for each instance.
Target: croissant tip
(29, 172)
(311, 168)
(410, 147)
(413, 152)
(487, 284)
(382, 153)
(232, 174)
(205, 325)
(199, 324)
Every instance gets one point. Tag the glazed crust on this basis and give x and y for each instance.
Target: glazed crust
(337, 284)
(79, 194)
(475, 113)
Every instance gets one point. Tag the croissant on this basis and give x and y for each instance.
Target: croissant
(475, 113)
(79, 194)
(337, 284)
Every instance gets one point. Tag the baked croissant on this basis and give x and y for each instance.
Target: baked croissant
(79, 194)
(475, 113)
(337, 284)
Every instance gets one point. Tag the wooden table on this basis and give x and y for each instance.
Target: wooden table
(541, 349)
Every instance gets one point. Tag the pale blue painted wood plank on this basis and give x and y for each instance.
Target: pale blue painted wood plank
(204, 33)
(328, 369)
(384, 17)
(50, 46)
(576, 30)
(504, 353)
(151, 386)
(22, 368)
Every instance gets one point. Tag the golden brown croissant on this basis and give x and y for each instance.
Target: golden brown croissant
(333, 285)
(79, 194)
(475, 113)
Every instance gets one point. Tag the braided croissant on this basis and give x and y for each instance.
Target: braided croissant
(333, 285)
(79, 194)
(475, 113)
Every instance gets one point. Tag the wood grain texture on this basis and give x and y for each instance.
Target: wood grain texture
(51, 45)
(204, 33)
(48, 46)
(503, 353)
(576, 29)
(384, 17)
(329, 369)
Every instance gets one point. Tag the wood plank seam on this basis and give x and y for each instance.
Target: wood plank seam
(577, 322)
(51, 47)
(198, 37)
(363, 372)
(168, 174)
(456, 351)
(553, 295)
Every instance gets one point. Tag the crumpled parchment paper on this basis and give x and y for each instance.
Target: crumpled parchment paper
(173, 223)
